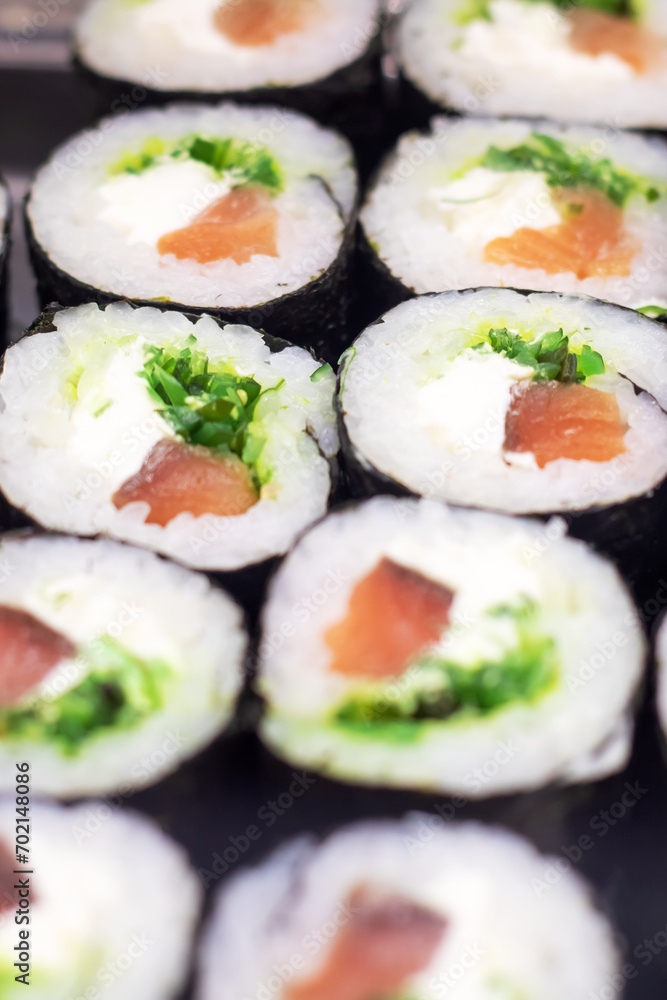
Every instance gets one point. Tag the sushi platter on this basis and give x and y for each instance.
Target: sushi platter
(333, 499)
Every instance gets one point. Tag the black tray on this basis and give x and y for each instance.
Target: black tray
(210, 802)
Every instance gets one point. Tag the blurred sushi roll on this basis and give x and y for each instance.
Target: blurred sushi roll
(590, 61)
(408, 909)
(521, 205)
(243, 212)
(115, 665)
(113, 905)
(410, 644)
(210, 444)
(321, 56)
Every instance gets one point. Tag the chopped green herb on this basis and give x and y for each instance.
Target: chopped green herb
(214, 409)
(242, 161)
(563, 168)
(252, 449)
(321, 373)
(589, 362)
(253, 162)
(119, 693)
(550, 356)
(653, 311)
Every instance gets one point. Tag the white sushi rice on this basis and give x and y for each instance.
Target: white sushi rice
(173, 47)
(519, 61)
(424, 409)
(102, 228)
(113, 906)
(274, 927)
(62, 460)
(575, 730)
(99, 590)
(432, 212)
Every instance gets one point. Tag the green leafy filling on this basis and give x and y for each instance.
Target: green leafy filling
(245, 162)
(523, 674)
(213, 409)
(474, 10)
(152, 151)
(562, 168)
(550, 356)
(119, 692)
(621, 8)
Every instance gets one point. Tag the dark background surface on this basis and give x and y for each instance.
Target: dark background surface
(210, 803)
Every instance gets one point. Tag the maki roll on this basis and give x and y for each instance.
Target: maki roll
(522, 205)
(115, 665)
(210, 444)
(410, 644)
(243, 212)
(106, 905)
(309, 51)
(590, 61)
(407, 908)
(521, 403)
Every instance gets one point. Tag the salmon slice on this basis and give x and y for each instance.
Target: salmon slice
(29, 650)
(556, 420)
(237, 226)
(177, 478)
(596, 33)
(8, 894)
(386, 941)
(393, 614)
(262, 22)
(590, 242)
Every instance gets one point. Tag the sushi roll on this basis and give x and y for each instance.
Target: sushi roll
(319, 55)
(408, 908)
(243, 212)
(115, 666)
(521, 403)
(208, 443)
(105, 905)
(584, 61)
(224, 47)
(521, 205)
(413, 645)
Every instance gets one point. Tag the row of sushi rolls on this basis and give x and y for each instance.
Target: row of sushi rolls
(409, 531)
